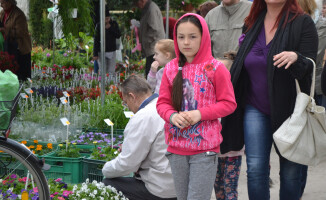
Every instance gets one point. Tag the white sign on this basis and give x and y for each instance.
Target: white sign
(128, 114)
(23, 95)
(65, 121)
(63, 100)
(108, 122)
(29, 91)
(66, 94)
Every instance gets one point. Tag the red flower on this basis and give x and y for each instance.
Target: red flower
(209, 67)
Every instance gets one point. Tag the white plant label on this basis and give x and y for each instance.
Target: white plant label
(65, 121)
(29, 91)
(63, 100)
(30, 80)
(24, 96)
(66, 94)
(108, 122)
(128, 114)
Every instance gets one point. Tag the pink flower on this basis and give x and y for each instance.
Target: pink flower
(35, 190)
(58, 179)
(61, 198)
(66, 193)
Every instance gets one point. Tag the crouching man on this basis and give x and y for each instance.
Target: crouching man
(143, 149)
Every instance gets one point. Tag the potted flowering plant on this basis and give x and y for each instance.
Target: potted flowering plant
(8, 62)
(38, 148)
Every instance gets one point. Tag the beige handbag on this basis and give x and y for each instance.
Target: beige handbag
(302, 137)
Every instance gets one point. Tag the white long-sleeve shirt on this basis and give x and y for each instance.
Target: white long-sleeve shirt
(143, 150)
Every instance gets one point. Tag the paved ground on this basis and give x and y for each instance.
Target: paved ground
(316, 183)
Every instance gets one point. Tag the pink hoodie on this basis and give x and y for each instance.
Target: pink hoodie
(207, 88)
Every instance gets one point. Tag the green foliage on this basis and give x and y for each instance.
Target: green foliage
(104, 153)
(41, 27)
(71, 152)
(83, 22)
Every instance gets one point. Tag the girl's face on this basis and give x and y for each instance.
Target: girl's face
(324, 10)
(160, 57)
(188, 39)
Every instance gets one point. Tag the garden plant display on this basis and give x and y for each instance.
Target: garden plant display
(104, 153)
(13, 186)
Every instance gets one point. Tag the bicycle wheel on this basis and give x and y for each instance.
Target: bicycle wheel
(22, 161)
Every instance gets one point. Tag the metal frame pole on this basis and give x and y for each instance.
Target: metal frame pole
(167, 20)
(103, 64)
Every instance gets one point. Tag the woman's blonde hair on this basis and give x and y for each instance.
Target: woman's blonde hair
(166, 46)
(308, 6)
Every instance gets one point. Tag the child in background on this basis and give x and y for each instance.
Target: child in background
(164, 53)
(229, 164)
(192, 128)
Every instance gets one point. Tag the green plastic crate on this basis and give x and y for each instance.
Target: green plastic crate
(69, 169)
(9, 165)
(92, 169)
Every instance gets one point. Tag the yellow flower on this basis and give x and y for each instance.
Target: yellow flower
(35, 141)
(49, 145)
(32, 147)
(95, 142)
(33, 152)
(60, 145)
(74, 143)
(1, 151)
(24, 142)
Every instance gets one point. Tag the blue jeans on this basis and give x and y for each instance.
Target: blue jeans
(258, 140)
(95, 66)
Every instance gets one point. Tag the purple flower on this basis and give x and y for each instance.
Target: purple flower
(13, 176)
(99, 148)
(100, 141)
(102, 155)
(120, 136)
(90, 139)
(48, 55)
(241, 38)
(65, 54)
(91, 133)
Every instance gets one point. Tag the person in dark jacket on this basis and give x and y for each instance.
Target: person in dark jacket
(16, 35)
(112, 32)
(277, 38)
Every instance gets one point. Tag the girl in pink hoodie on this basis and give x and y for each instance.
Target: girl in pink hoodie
(195, 91)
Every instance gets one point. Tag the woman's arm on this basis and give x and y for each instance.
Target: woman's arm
(295, 61)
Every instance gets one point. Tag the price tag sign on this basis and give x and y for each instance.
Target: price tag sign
(66, 94)
(63, 100)
(24, 96)
(108, 122)
(29, 91)
(128, 114)
(65, 121)
(30, 80)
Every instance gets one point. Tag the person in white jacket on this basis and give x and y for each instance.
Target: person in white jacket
(143, 149)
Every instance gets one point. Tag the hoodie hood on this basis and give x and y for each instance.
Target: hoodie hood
(204, 53)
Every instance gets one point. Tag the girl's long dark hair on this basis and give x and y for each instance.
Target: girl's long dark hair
(177, 87)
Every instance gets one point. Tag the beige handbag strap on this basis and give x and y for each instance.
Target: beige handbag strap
(312, 89)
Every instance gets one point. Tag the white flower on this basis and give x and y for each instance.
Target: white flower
(95, 192)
